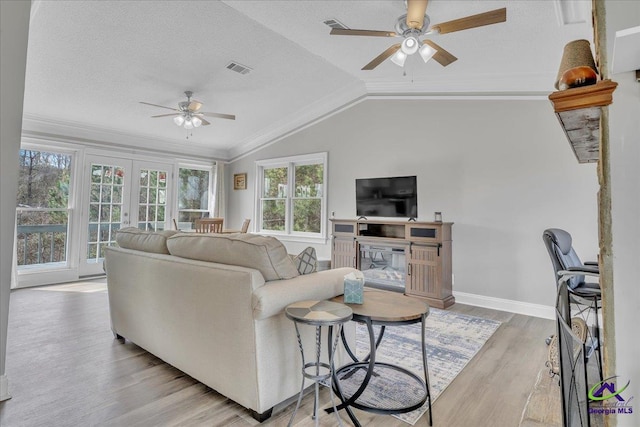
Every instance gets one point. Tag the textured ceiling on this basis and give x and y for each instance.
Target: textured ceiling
(91, 62)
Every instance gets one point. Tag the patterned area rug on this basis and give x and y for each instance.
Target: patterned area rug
(452, 341)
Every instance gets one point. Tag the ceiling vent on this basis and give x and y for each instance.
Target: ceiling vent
(334, 23)
(239, 68)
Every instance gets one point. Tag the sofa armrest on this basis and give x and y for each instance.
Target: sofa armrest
(276, 295)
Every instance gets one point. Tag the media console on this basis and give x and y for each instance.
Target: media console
(416, 255)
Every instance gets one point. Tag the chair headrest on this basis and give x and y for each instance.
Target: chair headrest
(561, 238)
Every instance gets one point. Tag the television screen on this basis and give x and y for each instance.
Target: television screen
(387, 197)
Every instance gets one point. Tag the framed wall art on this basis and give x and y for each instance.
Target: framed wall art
(239, 181)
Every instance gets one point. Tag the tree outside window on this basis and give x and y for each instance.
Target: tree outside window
(307, 200)
(193, 196)
(292, 195)
(43, 207)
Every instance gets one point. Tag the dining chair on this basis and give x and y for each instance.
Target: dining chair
(245, 225)
(209, 225)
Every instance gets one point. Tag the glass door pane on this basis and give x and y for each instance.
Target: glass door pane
(153, 194)
(122, 193)
(107, 209)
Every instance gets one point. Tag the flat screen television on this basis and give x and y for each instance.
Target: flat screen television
(387, 197)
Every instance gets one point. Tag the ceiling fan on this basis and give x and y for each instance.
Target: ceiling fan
(188, 113)
(416, 23)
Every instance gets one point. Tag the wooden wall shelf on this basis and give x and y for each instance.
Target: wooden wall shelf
(578, 111)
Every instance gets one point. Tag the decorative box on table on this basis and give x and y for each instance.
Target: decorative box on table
(354, 288)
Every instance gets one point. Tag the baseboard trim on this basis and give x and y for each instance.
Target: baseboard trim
(4, 388)
(519, 307)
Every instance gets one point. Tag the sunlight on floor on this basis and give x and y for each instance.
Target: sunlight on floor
(97, 285)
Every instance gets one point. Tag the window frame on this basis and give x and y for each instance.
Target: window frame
(70, 261)
(212, 169)
(290, 163)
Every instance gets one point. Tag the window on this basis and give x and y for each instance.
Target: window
(152, 200)
(194, 186)
(291, 195)
(43, 208)
(105, 209)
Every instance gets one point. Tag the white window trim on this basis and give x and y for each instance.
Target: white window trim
(288, 235)
(72, 216)
(212, 169)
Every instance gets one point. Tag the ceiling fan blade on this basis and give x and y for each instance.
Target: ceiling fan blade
(380, 58)
(166, 115)
(204, 122)
(220, 116)
(415, 13)
(372, 33)
(442, 56)
(161, 106)
(194, 106)
(473, 21)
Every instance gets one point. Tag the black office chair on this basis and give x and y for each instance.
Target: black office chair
(572, 360)
(568, 267)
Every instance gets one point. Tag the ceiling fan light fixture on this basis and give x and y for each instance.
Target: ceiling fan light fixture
(399, 58)
(196, 121)
(409, 46)
(178, 120)
(188, 124)
(427, 52)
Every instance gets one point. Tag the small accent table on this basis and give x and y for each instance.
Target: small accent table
(382, 308)
(318, 314)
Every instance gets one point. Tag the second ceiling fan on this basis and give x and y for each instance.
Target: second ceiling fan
(415, 24)
(188, 113)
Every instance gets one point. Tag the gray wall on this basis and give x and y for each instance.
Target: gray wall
(624, 138)
(501, 170)
(14, 30)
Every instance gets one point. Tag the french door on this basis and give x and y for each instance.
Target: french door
(121, 193)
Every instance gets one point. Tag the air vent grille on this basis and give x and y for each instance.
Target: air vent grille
(334, 23)
(239, 68)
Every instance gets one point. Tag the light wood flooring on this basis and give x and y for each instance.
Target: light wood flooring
(66, 369)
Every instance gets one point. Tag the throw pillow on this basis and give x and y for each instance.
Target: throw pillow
(306, 261)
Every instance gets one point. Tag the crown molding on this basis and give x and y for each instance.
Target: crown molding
(481, 96)
(494, 88)
(39, 127)
(505, 85)
(318, 111)
(347, 98)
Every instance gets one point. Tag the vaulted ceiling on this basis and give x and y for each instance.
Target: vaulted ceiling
(90, 63)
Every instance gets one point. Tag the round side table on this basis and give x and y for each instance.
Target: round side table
(318, 314)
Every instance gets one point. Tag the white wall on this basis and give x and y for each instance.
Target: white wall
(624, 120)
(501, 170)
(14, 33)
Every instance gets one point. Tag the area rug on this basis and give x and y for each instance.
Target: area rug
(452, 339)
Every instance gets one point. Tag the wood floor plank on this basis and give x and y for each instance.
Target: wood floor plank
(66, 369)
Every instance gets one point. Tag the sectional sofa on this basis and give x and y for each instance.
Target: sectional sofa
(212, 306)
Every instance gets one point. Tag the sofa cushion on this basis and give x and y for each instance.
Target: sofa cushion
(274, 297)
(266, 254)
(146, 241)
(306, 261)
